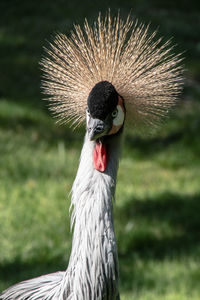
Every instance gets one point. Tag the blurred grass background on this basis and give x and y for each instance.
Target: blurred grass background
(158, 194)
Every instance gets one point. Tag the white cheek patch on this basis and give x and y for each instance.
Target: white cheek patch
(119, 119)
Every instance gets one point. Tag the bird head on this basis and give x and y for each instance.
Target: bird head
(105, 116)
(105, 113)
(118, 69)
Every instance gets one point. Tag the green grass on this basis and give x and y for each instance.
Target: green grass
(158, 192)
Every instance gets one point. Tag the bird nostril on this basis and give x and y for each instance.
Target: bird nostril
(90, 129)
(99, 128)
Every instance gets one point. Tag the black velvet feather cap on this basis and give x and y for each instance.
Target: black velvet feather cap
(102, 100)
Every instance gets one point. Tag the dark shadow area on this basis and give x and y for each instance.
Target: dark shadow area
(18, 270)
(180, 213)
(149, 147)
(184, 129)
(44, 129)
(26, 26)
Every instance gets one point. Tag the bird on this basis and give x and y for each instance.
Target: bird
(109, 75)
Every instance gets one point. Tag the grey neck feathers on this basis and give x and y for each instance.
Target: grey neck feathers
(93, 267)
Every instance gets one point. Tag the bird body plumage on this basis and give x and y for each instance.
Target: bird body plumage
(93, 267)
(44, 287)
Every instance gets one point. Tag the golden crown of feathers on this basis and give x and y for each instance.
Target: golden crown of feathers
(143, 71)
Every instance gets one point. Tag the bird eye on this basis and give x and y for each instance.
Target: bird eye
(114, 113)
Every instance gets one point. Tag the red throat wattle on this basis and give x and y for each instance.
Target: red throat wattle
(100, 157)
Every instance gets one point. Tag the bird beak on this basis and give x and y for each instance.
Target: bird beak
(97, 128)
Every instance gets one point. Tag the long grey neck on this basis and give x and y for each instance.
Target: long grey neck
(93, 267)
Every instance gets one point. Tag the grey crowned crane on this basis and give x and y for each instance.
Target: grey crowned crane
(108, 74)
